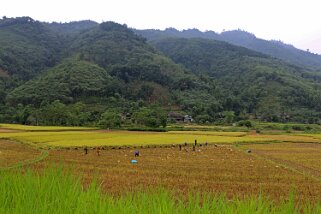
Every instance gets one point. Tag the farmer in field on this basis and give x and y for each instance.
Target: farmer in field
(98, 151)
(195, 142)
(86, 150)
(137, 153)
(180, 147)
(206, 144)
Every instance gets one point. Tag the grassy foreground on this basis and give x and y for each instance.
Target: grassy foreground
(58, 192)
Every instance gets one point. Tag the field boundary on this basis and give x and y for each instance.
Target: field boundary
(44, 154)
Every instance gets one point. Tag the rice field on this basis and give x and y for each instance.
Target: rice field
(129, 138)
(56, 191)
(43, 136)
(13, 153)
(316, 136)
(277, 165)
(125, 138)
(216, 169)
(302, 157)
(284, 137)
(18, 127)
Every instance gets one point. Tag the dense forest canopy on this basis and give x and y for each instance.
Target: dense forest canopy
(256, 83)
(242, 38)
(85, 73)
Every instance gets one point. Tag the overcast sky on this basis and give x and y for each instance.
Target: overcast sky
(294, 22)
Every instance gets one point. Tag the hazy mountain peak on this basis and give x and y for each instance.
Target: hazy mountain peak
(238, 33)
(171, 30)
(245, 39)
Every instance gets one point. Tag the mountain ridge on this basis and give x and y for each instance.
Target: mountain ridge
(245, 39)
(108, 67)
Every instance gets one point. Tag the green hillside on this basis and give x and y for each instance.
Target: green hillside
(71, 27)
(242, 38)
(84, 73)
(102, 67)
(65, 82)
(253, 83)
(27, 47)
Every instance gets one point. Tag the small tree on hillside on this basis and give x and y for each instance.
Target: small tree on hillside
(151, 117)
(110, 119)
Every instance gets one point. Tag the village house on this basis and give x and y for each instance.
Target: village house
(177, 117)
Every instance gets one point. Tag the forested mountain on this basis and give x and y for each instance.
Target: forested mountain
(103, 67)
(256, 83)
(65, 82)
(71, 27)
(84, 73)
(131, 65)
(27, 47)
(273, 48)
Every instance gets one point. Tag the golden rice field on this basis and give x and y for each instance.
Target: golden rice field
(13, 153)
(41, 128)
(218, 169)
(277, 164)
(64, 137)
(316, 136)
(217, 133)
(296, 138)
(302, 157)
(125, 138)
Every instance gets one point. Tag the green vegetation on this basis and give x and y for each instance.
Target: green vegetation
(117, 69)
(63, 80)
(27, 47)
(76, 74)
(66, 82)
(287, 127)
(248, 83)
(56, 191)
(151, 117)
(110, 119)
(242, 38)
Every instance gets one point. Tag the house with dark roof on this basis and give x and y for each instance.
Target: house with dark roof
(177, 117)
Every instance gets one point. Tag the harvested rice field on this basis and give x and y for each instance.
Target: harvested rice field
(220, 168)
(275, 165)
